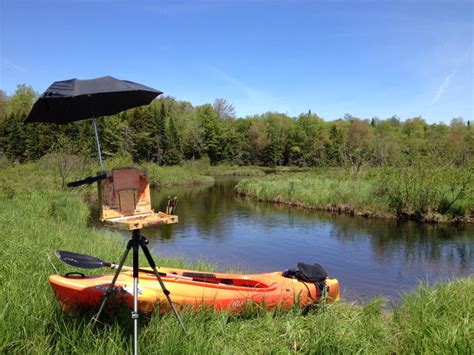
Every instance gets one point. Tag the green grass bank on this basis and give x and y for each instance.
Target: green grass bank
(55, 170)
(34, 222)
(189, 173)
(193, 173)
(421, 193)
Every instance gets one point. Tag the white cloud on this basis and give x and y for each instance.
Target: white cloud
(442, 88)
(458, 62)
(10, 66)
(253, 100)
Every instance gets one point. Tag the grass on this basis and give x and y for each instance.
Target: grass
(37, 221)
(175, 175)
(230, 170)
(44, 174)
(317, 190)
(165, 176)
(190, 173)
(284, 169)
(438, 195)
(428, 321)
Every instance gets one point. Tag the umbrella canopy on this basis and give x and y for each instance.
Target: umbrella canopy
(72, 100)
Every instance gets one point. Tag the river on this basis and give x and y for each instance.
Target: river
(370, 257)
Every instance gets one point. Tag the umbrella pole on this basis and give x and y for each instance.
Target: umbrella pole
(94, 122)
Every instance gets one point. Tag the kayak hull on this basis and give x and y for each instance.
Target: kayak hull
(218, 291)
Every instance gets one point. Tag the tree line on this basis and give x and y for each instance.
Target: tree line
(171, 131)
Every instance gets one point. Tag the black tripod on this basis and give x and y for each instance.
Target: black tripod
(136, 241)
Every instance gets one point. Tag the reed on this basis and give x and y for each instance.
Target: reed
(424, 194)
(229, 170)
(175, 175)
(164, 176)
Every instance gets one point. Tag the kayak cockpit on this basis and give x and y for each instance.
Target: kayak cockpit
(209, 279)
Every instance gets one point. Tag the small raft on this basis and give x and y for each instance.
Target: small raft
(217, 290)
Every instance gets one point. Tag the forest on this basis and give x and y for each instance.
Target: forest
(170, 132)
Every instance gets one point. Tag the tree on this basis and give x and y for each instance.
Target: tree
(116, 138)
(173, 153)
(193, 133)
(21, 101)
(414, 145)
(160, 144)
(3, 105)
(224, 109)
(14, 139)
(277, 128)
(332, 148)
(355, 147)
(68, 160)
(140, 120)
(211, 132)
(459, 143)
(14, 134)
(386, 147)
(259, 140)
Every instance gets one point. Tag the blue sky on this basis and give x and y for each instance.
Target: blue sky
(367, 58)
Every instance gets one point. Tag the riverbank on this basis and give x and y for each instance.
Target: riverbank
(56, 171)
(424, 194)
(190, 173)
(194, 173)
(427, 196)
(36, 222)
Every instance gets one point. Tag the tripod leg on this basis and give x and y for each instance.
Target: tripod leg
(163, 287)
(135, 314)
(95, 319)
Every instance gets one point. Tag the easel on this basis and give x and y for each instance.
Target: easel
(124, 196)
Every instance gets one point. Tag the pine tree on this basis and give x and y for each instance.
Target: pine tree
(211, 132)
(173, 153)
(159, 136)
(15, 147)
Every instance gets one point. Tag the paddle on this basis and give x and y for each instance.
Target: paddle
(91, 262)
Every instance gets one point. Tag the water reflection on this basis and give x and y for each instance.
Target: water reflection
(369, 257)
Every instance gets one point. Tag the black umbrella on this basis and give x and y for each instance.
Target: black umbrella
(72, 100)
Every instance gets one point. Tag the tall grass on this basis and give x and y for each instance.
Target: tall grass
(35, 223)
(175, 175)
(189, 173)
(227, 170)
(317, 190)
(425, 191)
(436, 320)
(192, 173)
(433, 195)
(163, 176)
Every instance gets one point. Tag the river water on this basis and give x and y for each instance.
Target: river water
(370, 257)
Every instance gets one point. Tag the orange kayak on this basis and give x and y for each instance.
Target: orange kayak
(219, 291)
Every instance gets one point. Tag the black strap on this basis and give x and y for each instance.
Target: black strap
(312, 274)
(87, 181)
